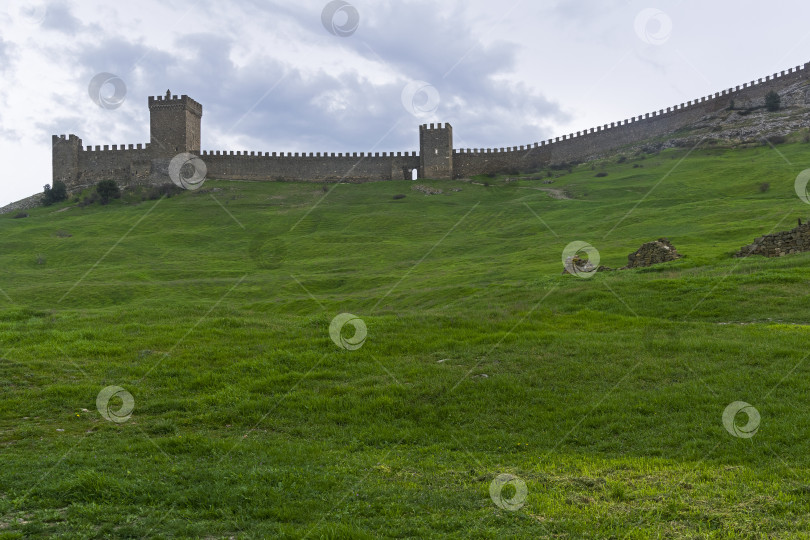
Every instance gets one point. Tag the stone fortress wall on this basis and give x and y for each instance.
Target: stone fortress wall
(312, 167)
(602, 139)
(175, 128)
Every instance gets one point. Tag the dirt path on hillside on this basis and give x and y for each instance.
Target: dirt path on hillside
(553, 193)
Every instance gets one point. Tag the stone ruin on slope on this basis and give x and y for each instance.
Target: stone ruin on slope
(576, 265)
(779, 244)
(659, 251)
(656, 252)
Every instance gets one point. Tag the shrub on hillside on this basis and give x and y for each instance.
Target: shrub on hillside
(562, 166)
(108, 189)
(54, 194)
(772, 101)
(764, 186)
(601, 174)
(399, 196)
(163, 190)
(88, 199)
(21, 215)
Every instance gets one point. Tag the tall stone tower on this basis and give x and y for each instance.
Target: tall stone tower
(174, 125)
(436, 151)
(65, 159)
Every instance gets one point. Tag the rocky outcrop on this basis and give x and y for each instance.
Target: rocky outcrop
(779, 244)
(578, 266)
(659, 251)
(427, 190)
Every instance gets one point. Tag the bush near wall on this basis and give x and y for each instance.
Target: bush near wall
(108, 189)
(55, 194)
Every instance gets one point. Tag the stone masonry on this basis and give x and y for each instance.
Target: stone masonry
(778, 244)
(24, 204)
(175, 128)
(659, 251)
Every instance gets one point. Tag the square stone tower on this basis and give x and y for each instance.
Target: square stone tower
(436, 151)
(174, 125)
(65, 159)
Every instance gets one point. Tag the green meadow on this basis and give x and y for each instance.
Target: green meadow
(603, 398)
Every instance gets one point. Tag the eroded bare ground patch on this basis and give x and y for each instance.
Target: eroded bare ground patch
(560, 194)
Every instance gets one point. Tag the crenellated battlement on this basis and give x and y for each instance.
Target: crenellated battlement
(175, 102)
(700, 104)
(64, 139)
(434, 127)
(116, 148)
(175, 128)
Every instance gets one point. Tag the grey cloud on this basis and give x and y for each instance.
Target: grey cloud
(266, 100)
(122, 57)
(450, 55)
(446, 52)
(5, 49)
(276, 103)
(419, 44)
(59, 17)
(72, 101)
(577, 13)
(282, 107)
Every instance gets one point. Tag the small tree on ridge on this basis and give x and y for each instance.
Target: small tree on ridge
(772, 101)
(54, 194)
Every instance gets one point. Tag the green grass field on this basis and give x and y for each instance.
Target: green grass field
(604, 396)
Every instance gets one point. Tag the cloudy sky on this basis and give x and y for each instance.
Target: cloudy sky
(361, 75)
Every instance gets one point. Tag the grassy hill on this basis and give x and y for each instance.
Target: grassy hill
(604, 396)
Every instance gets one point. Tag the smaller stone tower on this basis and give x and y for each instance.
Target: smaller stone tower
(65, 159)
(436, 151)
(174, 125)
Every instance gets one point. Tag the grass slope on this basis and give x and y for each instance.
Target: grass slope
(604, 395)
